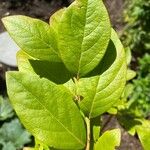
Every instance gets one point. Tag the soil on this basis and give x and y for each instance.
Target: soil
(43, 9)
(128, 142)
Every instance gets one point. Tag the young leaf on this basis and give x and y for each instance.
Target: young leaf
(128, 55)
(105, 87)
(109, 140)
(130, 74)
(84, 33)
(47, 110)
(144, 134)
(34, 36)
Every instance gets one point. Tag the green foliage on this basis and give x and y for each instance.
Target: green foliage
(143, 132)
(50, 109)
(13, 136)
(109, 140)
(136, 106)
(70, 72)
(82, 42)
(6, 110)
(105, 88)
(141, 96)
(137, 34)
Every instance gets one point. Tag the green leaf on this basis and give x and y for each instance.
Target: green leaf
(54, 71)
(130, 74)
(34, 36)
(105, 87)
(84, 33)
(23, 62)
(95, 125)
(6, 110)
(112, 111)
(9, 146)
(128, 55)
(109, 140)
(47, 110)
(128, 90)
(56, 18)
(144, 134)
(13, 135)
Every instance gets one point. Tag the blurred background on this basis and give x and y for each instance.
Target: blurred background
(131, 19)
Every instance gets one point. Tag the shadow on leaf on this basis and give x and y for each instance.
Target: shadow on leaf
(106, 62)
(54, 71)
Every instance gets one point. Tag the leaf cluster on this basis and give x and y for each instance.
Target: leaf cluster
(141, 93)
(132, 110)
(137, 32)
(12, 135)
(70, 71)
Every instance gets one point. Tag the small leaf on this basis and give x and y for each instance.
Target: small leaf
(47, 110)
(109, 140)
(128, 55)
(112, 111)
(130, 74)
(101, 90)
(84, 33)
(34, 36)
(144, 134)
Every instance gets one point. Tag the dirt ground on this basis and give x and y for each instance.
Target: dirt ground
(43, 9)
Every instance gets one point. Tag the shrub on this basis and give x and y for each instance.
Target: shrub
(137, 32)
(70, 72)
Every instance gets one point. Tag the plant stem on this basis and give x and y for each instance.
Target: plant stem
(87, 120)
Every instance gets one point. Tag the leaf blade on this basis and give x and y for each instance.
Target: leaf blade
(43, 111)
(105, 86)
(113, 136)
(34, 36)
(83, 35)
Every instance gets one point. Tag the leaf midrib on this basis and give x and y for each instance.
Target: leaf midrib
(74, 136)
(82, 39)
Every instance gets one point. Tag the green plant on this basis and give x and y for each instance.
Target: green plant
(12, 135)
(140, 98)
(132, 110)
(70, 72)
(6, 110)
(137, 32)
